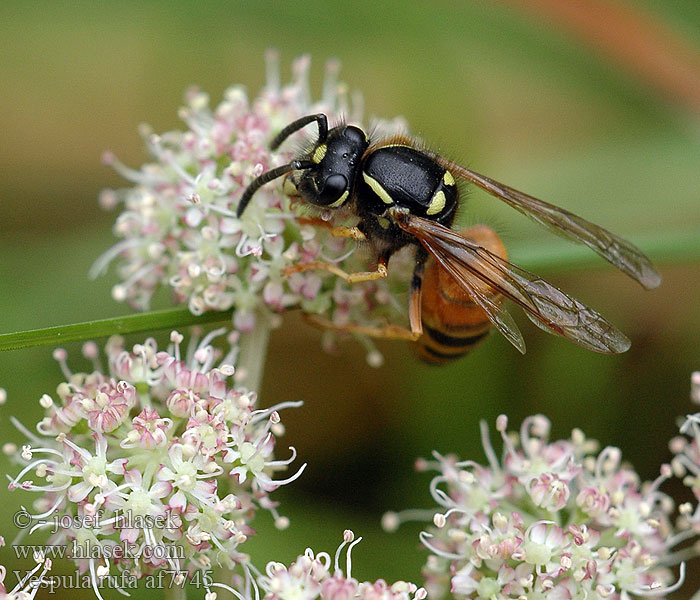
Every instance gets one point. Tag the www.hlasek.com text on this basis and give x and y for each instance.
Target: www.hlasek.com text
(105, 550)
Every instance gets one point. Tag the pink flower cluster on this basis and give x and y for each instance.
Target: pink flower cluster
(686, 465)
(552, 520)
(160, 463)
(28, 585)
(179, 228)
(314, 576)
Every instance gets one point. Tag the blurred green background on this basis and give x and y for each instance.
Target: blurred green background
(512, 89)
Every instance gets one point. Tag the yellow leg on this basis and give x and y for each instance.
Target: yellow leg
(335, 231)
(391, 332)
(358, 277)
(414, 313)
(339, 231)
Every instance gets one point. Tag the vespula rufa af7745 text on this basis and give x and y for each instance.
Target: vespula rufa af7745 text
(403, 194)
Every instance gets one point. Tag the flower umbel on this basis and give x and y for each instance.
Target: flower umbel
(179, 228)
(313, 576)
(549, 520)
(686, 465)
(172, 458)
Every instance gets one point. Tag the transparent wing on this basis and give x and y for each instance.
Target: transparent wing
(619, 252)
(548, 307)
(494, 310)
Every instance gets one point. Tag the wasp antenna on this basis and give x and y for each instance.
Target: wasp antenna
(320, 118)
(266, 177)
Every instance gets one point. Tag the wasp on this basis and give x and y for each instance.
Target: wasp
(405, 195)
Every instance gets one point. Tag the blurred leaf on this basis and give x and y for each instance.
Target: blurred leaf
(138, 323)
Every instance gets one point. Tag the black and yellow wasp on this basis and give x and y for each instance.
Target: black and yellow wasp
(403, 194)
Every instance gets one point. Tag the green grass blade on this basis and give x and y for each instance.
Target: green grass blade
(163, 319)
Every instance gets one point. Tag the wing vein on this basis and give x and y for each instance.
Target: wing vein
(548, 307)
(619, 252)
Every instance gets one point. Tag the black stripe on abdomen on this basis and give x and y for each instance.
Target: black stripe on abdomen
(453, 341)
(439, 347)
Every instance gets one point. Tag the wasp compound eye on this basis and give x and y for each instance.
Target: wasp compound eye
(333, 189)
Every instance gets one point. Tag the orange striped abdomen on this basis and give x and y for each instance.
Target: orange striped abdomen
(452, 322)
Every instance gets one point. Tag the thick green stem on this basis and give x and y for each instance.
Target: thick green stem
(663, 247)
(251, 359)
(175, 592)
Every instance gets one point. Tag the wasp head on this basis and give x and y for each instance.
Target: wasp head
(336, 163)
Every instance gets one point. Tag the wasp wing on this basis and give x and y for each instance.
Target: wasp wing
(619, 252)
(548, 307)
(495, 311)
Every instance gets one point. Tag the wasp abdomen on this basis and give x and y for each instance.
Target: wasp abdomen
(452, 322)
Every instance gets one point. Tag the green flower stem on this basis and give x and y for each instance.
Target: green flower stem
(175, 592)
(251, 359)
(682, 247)
(142, 322)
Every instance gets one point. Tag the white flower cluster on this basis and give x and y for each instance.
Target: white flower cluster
(686, 465)
(160, 453)
(179, 228)
(555, 520)
(310, 577)
(28, 586)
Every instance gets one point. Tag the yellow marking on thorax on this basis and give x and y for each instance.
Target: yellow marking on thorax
(437, 203)
(319, 153)
(448, 179)
(378, 189)
(341, 200)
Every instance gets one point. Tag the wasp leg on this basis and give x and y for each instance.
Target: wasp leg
(391, 332)
(335, 231)
(414, 303)
(318, 265)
